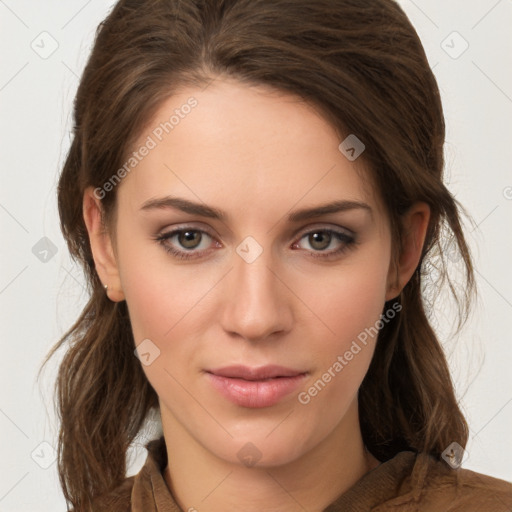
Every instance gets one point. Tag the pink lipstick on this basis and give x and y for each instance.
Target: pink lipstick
(263, 386)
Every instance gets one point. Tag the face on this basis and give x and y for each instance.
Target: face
(254, 258)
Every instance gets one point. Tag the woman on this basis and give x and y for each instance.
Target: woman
(253, 190)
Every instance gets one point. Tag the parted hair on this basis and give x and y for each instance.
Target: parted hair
(361, 63)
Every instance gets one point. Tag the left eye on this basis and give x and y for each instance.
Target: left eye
(322, 239)
(189, 239)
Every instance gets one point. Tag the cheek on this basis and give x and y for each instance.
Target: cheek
(331, 391)
(348, 300)
(163, 304)
(349, 307)
(159, 294)
(170, 305)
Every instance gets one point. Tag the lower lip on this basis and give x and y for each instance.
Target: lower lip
(255, 393)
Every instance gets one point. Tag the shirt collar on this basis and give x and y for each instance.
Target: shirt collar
(151, 493)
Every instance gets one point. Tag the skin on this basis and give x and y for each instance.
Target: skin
(258, 155)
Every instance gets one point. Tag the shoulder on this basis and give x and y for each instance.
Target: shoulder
(468, 491)
(117, 500)
(434, 486)
(137, 493)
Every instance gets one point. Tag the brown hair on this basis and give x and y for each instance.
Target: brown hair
(362, 64)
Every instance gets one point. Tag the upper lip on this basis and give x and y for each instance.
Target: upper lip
(255, 373)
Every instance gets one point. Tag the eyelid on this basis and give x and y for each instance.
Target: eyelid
(324, 227)
(168, 231)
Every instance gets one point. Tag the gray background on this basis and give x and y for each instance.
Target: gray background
(44, 45)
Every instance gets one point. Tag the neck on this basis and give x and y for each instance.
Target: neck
(201, 481)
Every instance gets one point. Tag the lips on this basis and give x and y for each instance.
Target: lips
(260, 373)
(255, 387)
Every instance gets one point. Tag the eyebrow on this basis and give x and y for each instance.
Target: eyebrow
(204, 210)
(325, 209)
(185, 206)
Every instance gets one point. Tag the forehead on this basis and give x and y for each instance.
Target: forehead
(231, 144)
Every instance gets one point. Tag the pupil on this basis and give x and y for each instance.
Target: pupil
(320, 240)
(189, 239)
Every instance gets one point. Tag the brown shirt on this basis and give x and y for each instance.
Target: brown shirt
(408, 482)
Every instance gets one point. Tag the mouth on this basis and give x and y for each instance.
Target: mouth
(255, 387)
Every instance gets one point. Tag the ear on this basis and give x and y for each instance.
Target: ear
(101, 246)
(414, 229)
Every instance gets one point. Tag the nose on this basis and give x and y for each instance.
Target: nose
(257, 304)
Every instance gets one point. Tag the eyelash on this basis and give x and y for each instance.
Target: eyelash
(348, 241)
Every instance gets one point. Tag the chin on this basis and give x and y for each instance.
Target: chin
(261, 450)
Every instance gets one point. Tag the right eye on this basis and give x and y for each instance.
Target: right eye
(185, 243)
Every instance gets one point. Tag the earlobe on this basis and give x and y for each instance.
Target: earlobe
(414, 229)
(101, 246)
